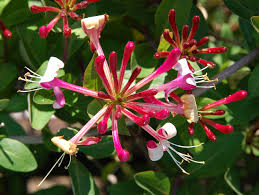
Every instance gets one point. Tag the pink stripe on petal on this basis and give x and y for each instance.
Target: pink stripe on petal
(60, 99)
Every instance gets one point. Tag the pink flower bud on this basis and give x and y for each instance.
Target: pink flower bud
(191, 128)
(195, 26)
(203, 41)
(7, 33)
(214, 50)
(185, 33)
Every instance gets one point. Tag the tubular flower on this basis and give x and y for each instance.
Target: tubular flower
(119, 99)
(193, 115)
(156, 150)
(67, 9)
(187, 44)
(69, 148)
(6, 32)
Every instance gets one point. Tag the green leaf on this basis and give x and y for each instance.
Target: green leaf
(82, 181)
(253, 84)
(32, 47)
(8, 73)
(154, 182)
(3, 4)
(218, 156)
(17, 103)
(4, 103)
(129, 188)
(52, 191)
(163, 44)
(11, 128)
(239, 8)
(255, 22)
(182, 8)
(143, 57)
(91, 78)
(15, 156)
(232, 178)
(39, 114)
(102, 149)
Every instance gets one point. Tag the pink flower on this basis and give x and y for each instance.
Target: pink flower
(187, 44)
(193, 115)
(156, 150)
(67, 9)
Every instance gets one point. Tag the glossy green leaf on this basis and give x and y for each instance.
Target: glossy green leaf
(218, 156)
(17, 103)
(253, 84)
(102, 149)
(91, 78)
(232, 178)
(4, 103)
(163, 44)
(15, 156)
(11, 128)
(3, 4)
(239, 8)
(82, 181)
(128, 187)
(154, 182)
(32, 47)
(52, 191)
(255, 22)
(39, 114)
(8, 73)
(182, 8)
(143, 57)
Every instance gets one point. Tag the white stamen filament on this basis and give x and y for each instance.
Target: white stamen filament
(29, 90)
(69, 162)
(186, 146)
(32, 71)
(61, 157)
(27, 80)
(210, 86)
(200, 70)
(177, 162)
(33, 76)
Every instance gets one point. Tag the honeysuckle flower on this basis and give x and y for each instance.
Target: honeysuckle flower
(186, 79)
(67, 9)
(46, 81)
(193, 115)
(6, 32)
(156, 150)
(119, 99)
(69, 148)
(187, 44)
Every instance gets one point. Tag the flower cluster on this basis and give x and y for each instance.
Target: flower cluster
(67, 9)
(187, 44)
(125, 97)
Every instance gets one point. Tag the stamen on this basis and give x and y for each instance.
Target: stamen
(27, 80)
(177, 162)
(180, 146)
(61, 157)
(31, 71)
(69, 162)
(29, 90)
(32, 76)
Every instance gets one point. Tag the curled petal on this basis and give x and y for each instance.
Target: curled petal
(168, 131)
(182, 67)
(60, 99)
(53, 66)
(155, 151)
(89, 141)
